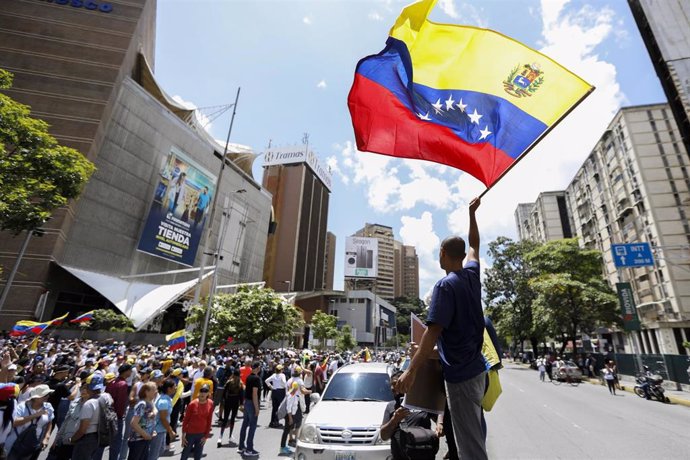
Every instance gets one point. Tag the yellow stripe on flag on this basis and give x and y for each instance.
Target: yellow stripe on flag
(34, 344)
(456, 57)
(175, 335)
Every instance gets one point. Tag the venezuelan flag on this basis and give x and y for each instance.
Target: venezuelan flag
(176, 340)
(462, 96)
(24, 327)
(84, 317)
(58, 321)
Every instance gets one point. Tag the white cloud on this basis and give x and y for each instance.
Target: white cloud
(375, 16)
(321, 84)
(419, 232)
(307, 20)
(466, 13)
(448, 7)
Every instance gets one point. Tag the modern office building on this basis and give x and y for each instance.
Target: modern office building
(546, 219)
(665, 29)
(371, 318)
(87, 70)
(301, 187)
(635, 187)
(384, 283)
(406, 271)
(329, 264)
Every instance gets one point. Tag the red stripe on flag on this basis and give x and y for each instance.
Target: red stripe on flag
(384, 125)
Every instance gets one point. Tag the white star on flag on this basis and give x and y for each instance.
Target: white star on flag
(485, 132)
(461, 106)
(438, 106)
(449, 103)
(474, 117)
(425, 117)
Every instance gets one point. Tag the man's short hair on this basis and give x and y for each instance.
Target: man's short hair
(454, 247)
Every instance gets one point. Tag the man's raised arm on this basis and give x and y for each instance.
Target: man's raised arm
(473, 236)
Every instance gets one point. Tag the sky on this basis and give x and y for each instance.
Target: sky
(295, 62)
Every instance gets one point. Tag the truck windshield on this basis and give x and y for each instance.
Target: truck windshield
(354, 386)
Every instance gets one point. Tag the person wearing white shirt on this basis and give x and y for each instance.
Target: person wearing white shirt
(276, 383)
(37, 411)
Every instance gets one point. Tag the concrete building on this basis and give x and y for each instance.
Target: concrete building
(406, 272)
(544, 220)
(371, 318)
(384, 284)
(89, 74)
(301, 187)
(329, 264)
(635, 187)
(665, 29)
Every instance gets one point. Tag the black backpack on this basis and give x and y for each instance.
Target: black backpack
(27, 442)
(107, 423)
(415, 443)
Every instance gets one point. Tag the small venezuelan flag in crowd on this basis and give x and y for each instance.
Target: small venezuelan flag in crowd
(24, 327)
(176, 340)
(88, 316)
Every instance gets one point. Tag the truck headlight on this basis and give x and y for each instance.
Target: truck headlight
(309, 434)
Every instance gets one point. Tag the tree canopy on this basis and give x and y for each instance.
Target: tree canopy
(554, 289)
(324, 327)
(345, 341)
(251, 316)
(404, 306)
(37, 175)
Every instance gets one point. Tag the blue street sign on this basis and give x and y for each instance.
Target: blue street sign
(632, 255)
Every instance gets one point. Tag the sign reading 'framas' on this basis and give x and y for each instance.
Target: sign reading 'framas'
(88, 4)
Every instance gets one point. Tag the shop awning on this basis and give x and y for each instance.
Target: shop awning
(140, 302)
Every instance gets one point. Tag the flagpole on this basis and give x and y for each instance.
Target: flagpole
(539, 139)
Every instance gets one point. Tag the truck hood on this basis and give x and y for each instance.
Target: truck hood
(347, 413)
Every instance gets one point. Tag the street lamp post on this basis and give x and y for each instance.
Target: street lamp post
(197, 290)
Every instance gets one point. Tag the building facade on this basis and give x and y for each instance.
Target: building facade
(296, 251)
(329, 264)
(371, 318)
(384, 283)
(635, 187)
(89, 74)
(406, 272)
(665, 29)
(547, 219)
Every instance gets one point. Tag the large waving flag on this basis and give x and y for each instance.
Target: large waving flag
(176, 340)
(462, 96)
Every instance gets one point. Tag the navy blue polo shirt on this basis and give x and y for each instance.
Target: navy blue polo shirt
(456, 305)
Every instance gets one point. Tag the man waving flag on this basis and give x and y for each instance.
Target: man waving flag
(462, 96)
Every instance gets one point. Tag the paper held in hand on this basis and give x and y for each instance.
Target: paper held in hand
(428, 392)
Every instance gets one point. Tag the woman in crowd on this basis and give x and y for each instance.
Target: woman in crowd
(32, 425)
(143, 423)
(232, 398)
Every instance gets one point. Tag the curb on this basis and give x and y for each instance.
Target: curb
(629, 389)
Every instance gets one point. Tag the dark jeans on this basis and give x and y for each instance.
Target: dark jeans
(117, 442)
(296, 423)
(86, 447)
(194, 446)
(230, 407)
(248, 422)
(174, 418)
(60, 452)
(277, 397)
(138, 450)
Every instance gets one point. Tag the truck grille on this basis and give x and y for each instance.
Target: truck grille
(341, 435)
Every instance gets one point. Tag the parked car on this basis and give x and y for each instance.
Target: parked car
(569, 369)
(345, 421)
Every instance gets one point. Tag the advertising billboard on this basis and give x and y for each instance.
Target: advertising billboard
(361, 257)
(291, 155)
(180, 207)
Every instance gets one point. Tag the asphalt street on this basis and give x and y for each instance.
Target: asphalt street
(534, 420)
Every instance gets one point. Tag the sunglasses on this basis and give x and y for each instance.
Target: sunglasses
(203, 391)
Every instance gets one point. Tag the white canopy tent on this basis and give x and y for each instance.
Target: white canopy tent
(140, 302)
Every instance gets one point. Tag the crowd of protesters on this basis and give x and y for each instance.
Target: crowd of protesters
(156, 397)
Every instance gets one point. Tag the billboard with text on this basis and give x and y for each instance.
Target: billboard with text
(178, 212)
(361, 257)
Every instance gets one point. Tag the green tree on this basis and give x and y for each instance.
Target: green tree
(572, 296)
(509, 295)
(405, 306)
(251, 316)
(323, 326)
(37, 175)
(345, 341)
